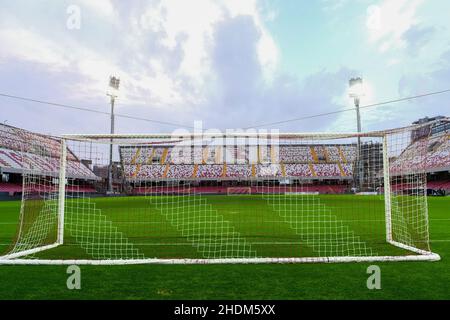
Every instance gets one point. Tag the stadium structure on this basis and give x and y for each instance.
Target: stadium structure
(237, 198)
(329, 169)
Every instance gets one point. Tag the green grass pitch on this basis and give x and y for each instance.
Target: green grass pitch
(270, 235)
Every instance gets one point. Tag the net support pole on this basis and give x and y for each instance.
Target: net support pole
(387, 190)
(62, 191)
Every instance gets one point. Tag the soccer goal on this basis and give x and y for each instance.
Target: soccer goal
(330, 197)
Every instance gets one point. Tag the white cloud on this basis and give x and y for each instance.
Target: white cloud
(178, 23)
(389, 20)
(91, 67)
(103, 8)
(268, 55)
(168, 44)
(25, 45)
(268, 52)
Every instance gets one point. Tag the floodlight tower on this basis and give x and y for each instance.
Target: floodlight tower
(114, 83)
(356, 91)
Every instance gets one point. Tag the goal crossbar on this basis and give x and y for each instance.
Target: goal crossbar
(240, 134)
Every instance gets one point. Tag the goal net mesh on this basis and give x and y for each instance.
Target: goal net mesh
(302, 196)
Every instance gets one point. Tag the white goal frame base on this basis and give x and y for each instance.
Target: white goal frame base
(422, 255)
(13, 256)
(427, 257)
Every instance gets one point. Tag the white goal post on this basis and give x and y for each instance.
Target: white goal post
(168, 207)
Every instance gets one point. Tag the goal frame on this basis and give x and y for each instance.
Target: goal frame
(421, 255)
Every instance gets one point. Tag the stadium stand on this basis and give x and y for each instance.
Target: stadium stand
(438, 159)
(182, 171)
(295, 154)
(298, 170)
(270, 170)
(440, 152)
(348, 153)
(209, 171)
(184, 162)
(323, 162)
(20, 148)
(327, 170)
(330, 166)
(238, 171)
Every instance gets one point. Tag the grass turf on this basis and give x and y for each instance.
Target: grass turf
(412, 280)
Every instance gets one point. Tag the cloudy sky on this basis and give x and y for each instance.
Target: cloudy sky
(228, 63)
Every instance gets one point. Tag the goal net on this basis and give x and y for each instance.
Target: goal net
(163, 198)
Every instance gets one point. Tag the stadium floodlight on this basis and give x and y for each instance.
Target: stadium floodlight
(114, 83)
(169, 215)
(356, 91)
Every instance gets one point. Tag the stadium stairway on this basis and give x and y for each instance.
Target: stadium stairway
(311, 167)
(341, 154)
(341, 170)
(314, 154)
